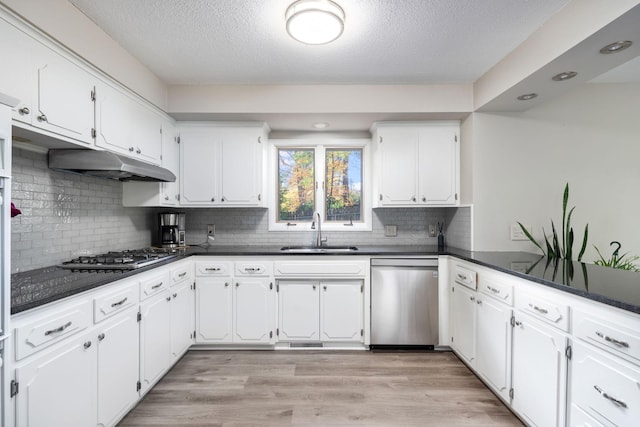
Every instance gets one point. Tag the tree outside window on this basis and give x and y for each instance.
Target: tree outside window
(343, 185)
(296, 184)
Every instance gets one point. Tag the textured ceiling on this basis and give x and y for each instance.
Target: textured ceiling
(384, 42)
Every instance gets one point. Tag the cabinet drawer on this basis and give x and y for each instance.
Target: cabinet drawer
(213, 268)
(108, 304)
(618, 334)
(500, 291)
(52, 327)
(605, 387)
(154, 284)
(553, 313)
(465, 276)
(321, 268)
(182, 273)
(253, 268)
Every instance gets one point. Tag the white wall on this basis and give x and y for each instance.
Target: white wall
(521, 161)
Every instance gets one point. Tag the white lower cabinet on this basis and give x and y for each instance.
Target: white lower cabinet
(493, 339)
(326, 311)
(539, 372)
(463, 322)
(118, 370)
(182, 318)
(155, 339)
(234, 305)
(58, 388)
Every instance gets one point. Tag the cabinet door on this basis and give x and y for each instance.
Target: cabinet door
(170, 160)
(493, 344)
(118, 367)
(214, 310)
(341, 311)
(199, 167)
(253, 311)
(182, 318)
(438, 165)
(147, 132)
(155, 339)
(240, 167)
(398, 157)
(114, 121)
(298, 311)
(59, 387)
(463, 322)
(65, 104)
(539, 372)
(18, 77)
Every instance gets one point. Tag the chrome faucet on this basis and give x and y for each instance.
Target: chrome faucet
(319, 240)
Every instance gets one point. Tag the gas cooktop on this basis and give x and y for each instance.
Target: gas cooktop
(120, 260)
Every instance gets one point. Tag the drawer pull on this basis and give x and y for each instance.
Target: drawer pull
(494, 290)
(472, 298)
(462, 276)
(157, 286)
(212, 269)
(184, 273)
(122, 301)
(539, 309)
(100, 337)
(58, 329)
(251, 269)
(612, 340)
(87, 345)
(611, 398)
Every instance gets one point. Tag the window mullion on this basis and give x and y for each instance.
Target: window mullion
(320, 180)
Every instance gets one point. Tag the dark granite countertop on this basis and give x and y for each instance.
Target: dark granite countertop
(617, 288)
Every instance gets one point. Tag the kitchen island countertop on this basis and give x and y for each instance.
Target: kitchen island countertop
(613, 287)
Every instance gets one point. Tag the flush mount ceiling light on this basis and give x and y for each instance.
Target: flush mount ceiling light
(315, 21)
(566, 75)
(527, 96)
(616, 47)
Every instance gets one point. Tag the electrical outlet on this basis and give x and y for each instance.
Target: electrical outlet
(432, 230)
(211, 230)
(390, 230)
(517, 233)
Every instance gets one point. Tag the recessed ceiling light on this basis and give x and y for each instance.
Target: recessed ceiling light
(321, 125)
(527, 96)
(315, 21)
(566, 75)
(616, 47)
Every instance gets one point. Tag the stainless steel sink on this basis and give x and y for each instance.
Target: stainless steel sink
(318, 249)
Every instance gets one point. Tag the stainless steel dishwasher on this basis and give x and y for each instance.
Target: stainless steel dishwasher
(404, 303)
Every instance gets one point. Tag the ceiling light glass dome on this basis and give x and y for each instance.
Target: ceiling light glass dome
(315, 21)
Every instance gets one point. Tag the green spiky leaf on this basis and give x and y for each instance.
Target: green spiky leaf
(530, 237)
(584, 242)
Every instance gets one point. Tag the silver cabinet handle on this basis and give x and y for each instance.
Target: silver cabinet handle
(157, 286)
(42, 118)
(413, 198)
(226, 285)
(518, 323)
(24, 111)
(539, 309)
(237, 284)
(184, 273)
(213, 199)
(58, 329)
(168, 298)
(175, 295)
(138, 151)
(314, 287)
(131, 149)
(222, 199)
(424, 199)
(87, 345)
(479, 302)
(462, 276)
(122, 301)
(494, 290)
(212, 269)
(609, 397)
(324, 287)
(472, 298)
(100, 337)
(612, 340)
(251, 269)
(166, 197)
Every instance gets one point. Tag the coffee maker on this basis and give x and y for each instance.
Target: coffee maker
(172, 229)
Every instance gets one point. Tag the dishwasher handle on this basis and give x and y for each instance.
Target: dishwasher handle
(405, 262)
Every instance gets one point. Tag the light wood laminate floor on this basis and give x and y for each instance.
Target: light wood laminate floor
(322, 388)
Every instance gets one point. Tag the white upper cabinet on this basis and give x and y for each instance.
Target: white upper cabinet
(416, 164)
(222, 165)
(55, 93)
(126, 126)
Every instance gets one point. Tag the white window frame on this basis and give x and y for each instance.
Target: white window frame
(320, 146)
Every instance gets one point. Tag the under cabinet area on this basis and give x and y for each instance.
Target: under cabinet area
(416, 164)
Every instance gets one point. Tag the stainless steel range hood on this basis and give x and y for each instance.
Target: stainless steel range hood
(105, 164)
